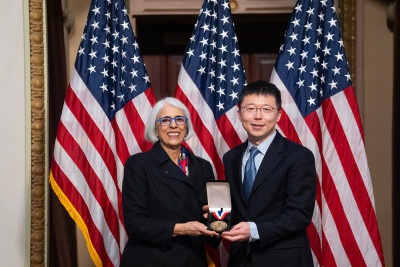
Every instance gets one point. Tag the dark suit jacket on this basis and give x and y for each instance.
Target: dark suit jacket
(156, 195)
(281, 203)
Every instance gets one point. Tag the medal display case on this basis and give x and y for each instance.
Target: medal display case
(219, 201)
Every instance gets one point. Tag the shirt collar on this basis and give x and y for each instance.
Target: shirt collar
(263, 147)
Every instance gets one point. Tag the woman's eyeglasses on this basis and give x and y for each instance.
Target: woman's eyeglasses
(179, 120)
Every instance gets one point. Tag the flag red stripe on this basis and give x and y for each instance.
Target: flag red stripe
(150, 96)
(123, 153)
(318, 198)
(287, 127)
(328, 258)
(120, 143)
(203, 134)
(93, 132)
(312, 233)
(314, 125)
(315, 242)
(80, 205)
(351, 99)
(353, 175)
(78, 156)
(227, 130)
(137, 126)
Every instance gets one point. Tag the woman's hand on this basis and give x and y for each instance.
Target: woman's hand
(192, 228)
(205, 208)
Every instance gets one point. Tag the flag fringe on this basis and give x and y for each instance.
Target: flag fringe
(77, 218)
(210, 262)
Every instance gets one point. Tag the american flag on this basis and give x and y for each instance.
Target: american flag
(209, 83)
(108, 99)
(320, 111)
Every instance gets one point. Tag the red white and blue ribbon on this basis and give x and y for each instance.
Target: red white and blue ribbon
(220, 214)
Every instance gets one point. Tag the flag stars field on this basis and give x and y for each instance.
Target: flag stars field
(114, 35)
(213, 48)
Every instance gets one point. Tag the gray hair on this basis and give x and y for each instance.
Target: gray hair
(150, 130)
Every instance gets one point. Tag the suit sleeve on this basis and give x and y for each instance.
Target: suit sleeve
(138, 222)
(299, 204)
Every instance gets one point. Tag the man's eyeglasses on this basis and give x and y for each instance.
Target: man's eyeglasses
(251, 109)
(166, 121)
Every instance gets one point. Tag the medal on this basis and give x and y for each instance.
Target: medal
(218, 226)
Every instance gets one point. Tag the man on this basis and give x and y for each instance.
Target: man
(273, 187)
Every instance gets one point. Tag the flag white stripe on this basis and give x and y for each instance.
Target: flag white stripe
(315, 260)
(142, 103)
(124, 127)
(316, 220)
(332, 236)
(232, 116)
(224, 255)
(75, 176)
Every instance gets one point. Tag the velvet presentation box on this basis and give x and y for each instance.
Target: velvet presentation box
(219, 200)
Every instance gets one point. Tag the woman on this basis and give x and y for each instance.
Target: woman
(163, 193)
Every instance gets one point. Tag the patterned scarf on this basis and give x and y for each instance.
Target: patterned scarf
(183, 161)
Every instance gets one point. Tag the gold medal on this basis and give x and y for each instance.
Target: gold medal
(218, 226)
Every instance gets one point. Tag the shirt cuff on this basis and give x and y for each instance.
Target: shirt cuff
(253, 232)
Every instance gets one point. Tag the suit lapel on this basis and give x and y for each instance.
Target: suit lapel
(237, 171)
(270, 161)
(168, 168)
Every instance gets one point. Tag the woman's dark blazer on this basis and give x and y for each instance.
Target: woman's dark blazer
(156, 195)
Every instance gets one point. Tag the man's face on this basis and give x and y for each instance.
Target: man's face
(259, 123)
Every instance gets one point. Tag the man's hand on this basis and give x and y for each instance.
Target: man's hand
(239, 232)
(205, 208)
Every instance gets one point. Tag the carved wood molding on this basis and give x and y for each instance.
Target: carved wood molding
(347, 13)
(38, 177)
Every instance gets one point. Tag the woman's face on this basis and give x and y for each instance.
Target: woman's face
(170, 136)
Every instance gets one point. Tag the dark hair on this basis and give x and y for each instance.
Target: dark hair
(261, 88)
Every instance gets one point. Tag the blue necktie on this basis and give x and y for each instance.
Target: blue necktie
(250, 172)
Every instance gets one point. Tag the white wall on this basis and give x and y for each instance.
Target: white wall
(12, 135)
